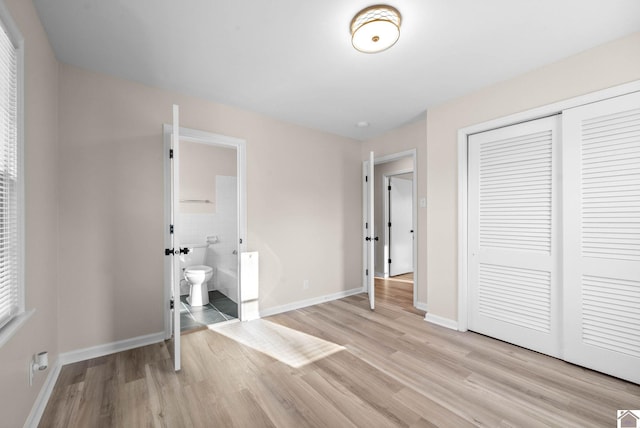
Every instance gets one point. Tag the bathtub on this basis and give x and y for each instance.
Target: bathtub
(226, 281)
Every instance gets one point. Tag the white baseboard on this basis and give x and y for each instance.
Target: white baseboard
(309, 302)
(441, 321)
(110, 348)
(80, 355)
(421, 306)
(43, 396)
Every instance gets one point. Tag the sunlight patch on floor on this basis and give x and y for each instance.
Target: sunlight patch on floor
(287, 345)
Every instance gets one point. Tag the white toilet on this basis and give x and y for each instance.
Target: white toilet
(197, 277)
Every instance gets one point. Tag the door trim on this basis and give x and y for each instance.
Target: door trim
(463, 138)
(379, 160)
(204, 137)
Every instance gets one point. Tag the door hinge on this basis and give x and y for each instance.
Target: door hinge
(170, 153)
(389, 224)
(171, 229)
(389, 261)
(241, 240)
(168, 251)
(389, 188)
(366, 225)
(366, 178)
(367, 272)
(171, 304)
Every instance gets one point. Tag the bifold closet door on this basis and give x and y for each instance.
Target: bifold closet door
(601, 162)
(513, 248)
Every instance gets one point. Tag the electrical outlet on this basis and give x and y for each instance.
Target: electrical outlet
(305, 284)
(39, 362)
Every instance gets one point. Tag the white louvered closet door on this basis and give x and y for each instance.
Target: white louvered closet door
(601, 162)
(513, 242)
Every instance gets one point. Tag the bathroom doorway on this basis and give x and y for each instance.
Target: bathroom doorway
(210, 221)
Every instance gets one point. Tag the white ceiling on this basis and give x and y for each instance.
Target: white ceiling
(293, 59)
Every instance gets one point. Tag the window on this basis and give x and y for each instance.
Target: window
(11, 278)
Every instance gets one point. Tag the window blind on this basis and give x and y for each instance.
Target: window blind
(9, 284)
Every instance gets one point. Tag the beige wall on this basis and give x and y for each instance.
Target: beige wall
(93, 148)
(410, 136)
(605, 66)
(303, 205)
(41, 163)
(199, 165)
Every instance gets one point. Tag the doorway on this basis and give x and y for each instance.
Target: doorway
(398, 225)
(378, 250)
(210, 220)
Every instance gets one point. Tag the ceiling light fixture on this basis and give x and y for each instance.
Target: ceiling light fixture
(375, 28)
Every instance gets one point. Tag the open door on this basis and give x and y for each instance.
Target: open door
(175, 250)
(370, 231)
(178, 141)
(400, 226)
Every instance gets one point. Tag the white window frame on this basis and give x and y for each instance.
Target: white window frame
(9, 329)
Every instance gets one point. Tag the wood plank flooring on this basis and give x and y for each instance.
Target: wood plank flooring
(396, 370)
(404, 277)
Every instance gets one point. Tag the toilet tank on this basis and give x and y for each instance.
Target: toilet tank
(195, 257)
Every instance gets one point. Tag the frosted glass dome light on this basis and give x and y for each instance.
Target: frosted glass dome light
(375, 28)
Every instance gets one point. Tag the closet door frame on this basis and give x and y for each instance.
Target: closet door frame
(463, 138)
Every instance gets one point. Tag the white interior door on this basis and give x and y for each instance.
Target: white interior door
(513, 243)
(175, 236)
(401, 229)
(371, 238)
(601, 162)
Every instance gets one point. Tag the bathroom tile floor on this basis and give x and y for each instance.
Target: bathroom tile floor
(220, 308)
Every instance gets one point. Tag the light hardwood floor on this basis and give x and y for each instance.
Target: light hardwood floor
(396, 370)
(408, 277)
